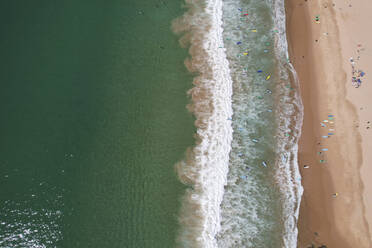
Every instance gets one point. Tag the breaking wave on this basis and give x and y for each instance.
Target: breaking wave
(206, 164)
(232, 200)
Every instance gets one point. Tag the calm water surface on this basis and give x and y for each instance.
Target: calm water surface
(93, 118)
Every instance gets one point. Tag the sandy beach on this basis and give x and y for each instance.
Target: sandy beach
(329, 45)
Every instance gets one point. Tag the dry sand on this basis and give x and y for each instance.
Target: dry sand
(320, 53)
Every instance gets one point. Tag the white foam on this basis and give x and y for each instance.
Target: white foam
(249, 205)
(288, 175)
(206, 165)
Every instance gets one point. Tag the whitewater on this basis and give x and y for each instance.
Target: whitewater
(244, 186)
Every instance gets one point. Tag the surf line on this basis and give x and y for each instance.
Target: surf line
(205, 167)
(287, 173)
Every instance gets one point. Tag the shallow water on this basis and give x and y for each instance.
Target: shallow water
(257, 173)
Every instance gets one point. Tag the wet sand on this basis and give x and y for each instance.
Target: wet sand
(336, 208)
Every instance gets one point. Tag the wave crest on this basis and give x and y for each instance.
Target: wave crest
(206, 164)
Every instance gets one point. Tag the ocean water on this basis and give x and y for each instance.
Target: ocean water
(244, 183)
(93, 119)
(110, 138)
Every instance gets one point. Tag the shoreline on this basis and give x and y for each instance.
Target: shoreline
(332, 211)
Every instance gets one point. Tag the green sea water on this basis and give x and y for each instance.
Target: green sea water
(93, 119)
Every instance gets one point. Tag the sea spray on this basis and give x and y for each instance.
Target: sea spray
(206, 164)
